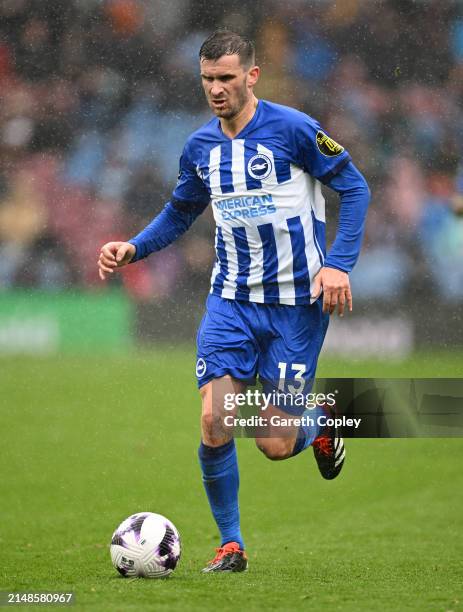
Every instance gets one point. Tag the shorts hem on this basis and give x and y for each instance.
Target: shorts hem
(251, 379)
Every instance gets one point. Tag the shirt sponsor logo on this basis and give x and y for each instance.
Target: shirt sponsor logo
(244, 202)
(245, 207)
(259, 166)
(327, 146)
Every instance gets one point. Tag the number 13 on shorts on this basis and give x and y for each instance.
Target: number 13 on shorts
(297, 376)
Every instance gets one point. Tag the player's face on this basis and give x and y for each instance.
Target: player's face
(227, 84)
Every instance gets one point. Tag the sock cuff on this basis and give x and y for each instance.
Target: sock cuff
(214, 453)
(306, 434)
(299, 445)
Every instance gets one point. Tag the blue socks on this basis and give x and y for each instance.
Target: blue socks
(307, 433)
(221, 480)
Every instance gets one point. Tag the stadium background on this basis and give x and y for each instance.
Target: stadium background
(98, 406)
(99, 96)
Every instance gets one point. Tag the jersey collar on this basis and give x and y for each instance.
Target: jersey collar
(247, 128)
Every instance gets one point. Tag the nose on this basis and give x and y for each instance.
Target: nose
(216, 90)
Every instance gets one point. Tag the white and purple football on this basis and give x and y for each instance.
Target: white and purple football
(145, 545)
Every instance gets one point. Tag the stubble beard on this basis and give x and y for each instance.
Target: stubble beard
(234, 110)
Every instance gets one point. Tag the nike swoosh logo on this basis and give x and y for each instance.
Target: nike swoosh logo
(208, 175)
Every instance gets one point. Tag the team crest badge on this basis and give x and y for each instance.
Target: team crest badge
(260, 166)
(200, 367)
(327, 146)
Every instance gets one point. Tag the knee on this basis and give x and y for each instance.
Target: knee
(212, 430)
(276, 449)
(210, 424)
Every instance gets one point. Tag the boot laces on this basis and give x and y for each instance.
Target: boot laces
(227, 549)
(324, 445)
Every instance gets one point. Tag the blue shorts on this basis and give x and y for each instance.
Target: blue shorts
(274, 341)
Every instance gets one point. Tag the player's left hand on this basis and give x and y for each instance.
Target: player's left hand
(336, 290)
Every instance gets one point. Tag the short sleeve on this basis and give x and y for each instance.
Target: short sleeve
(319, 155)
(189, 188)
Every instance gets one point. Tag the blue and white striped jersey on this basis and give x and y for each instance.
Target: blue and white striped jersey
(265, 190)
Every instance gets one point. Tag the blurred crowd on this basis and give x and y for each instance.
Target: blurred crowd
(98, 96)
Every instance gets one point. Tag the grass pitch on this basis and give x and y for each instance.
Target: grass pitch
(86, 442)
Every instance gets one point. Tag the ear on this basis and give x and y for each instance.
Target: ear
(253, 75)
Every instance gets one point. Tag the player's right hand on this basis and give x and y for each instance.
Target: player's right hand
(114, 255)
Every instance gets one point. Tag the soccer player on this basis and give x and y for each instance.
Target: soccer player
(261, 166)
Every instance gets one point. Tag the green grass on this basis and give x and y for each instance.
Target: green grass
(87, 441)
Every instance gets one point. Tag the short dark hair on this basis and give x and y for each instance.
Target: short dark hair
(224, 42)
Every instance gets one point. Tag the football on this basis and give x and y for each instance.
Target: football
(145, 545)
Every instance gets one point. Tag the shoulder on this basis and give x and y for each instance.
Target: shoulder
(289, 116)
(292, 128)
(201, 137)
